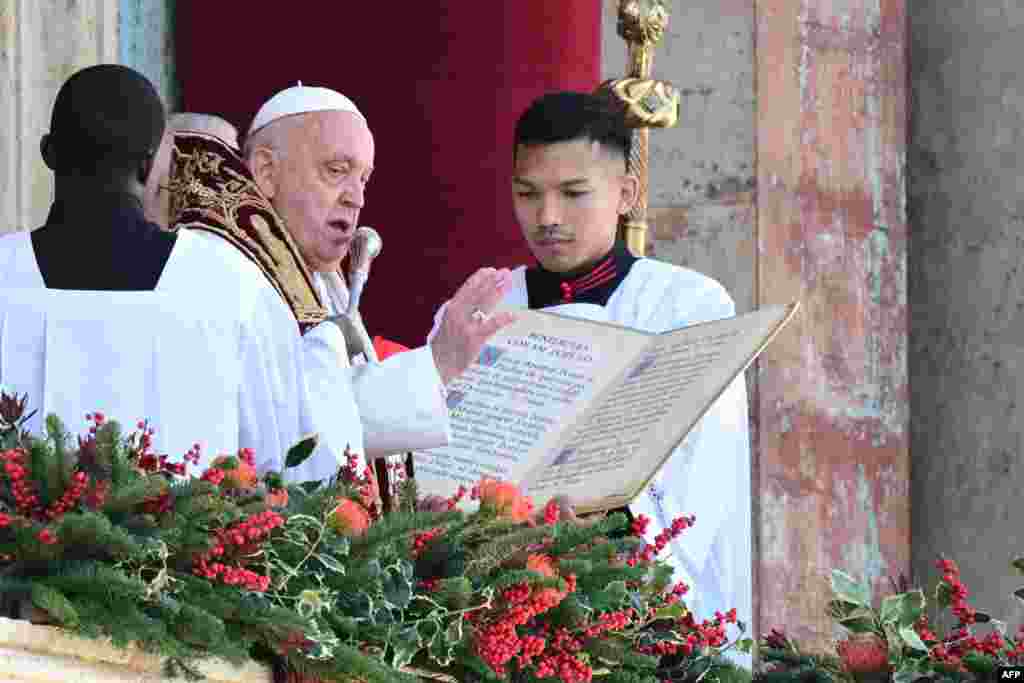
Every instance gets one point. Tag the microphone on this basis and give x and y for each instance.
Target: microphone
(366, 246)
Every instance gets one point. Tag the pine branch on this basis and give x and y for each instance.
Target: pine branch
(58, 478)
(88, 535)
(348, 664)
(724, 670)
(622, 676)
(575, 566)
(512, 577)
(396, 526)
(54, 604)
(195, 626)
(490, 555)
(129, 494)
(621, 653)
(472, 531)
(41, 472)
(570, 534)
(598, 578)
(95, 580)
(126, 624)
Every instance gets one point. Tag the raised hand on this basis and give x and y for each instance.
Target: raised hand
(469, 321)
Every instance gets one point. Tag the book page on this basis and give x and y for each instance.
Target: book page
(531, 379)
(620, 443)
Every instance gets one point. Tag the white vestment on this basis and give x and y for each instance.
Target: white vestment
(273, 402)
(709, 474)
(400, 400)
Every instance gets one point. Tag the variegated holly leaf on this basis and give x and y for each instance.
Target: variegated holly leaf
(903, 609)
(847, 589)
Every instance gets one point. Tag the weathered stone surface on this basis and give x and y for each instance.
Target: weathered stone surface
(41, 44)
(832, 390)
(43, 654)
(967, 294)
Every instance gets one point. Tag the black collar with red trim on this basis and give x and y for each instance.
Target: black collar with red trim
(593, 286)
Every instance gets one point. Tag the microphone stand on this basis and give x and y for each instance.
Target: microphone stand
(366, 246)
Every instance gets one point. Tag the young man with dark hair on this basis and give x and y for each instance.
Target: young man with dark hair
(571, 184)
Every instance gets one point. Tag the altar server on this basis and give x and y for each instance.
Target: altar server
(106, 125)
(570, 185)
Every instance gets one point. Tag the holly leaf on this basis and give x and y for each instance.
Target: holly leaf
(847, 589)
(851, 617)
(298, 453)
(903, 609)
(397, 586)
(674, 611)
(911, 670)
(405, 643)
(861, 622)
(442, 646)
(979, 663)
(330, 563)
(910, 637)
(1018, 564)
(745, 646)
(616, 590)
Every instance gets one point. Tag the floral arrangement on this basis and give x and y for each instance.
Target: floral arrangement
(896, 641)
(106, 538)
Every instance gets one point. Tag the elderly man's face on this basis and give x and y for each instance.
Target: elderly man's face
(318, 186)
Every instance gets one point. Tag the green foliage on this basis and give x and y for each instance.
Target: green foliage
(298, 453)
(53, 602)
(133, 493)
(570, 536)
(178, 567)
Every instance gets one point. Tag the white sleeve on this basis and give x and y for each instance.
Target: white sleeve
(402, 403)
(709, 476)
(333, 411)
(718, 451)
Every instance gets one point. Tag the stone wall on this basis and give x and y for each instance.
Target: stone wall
(41, 44)
(784, 180)
(966, 202)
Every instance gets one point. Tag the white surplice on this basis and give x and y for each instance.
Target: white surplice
(400, 399)
(127, 354)
(273, 402)
(709, 473)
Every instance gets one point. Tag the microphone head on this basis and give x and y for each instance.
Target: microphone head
(366, 246)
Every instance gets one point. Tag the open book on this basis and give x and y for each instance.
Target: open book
(587, 409)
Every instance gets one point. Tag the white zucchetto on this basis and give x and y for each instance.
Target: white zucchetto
(301, 99)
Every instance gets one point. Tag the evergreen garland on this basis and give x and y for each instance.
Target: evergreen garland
(107, 539)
